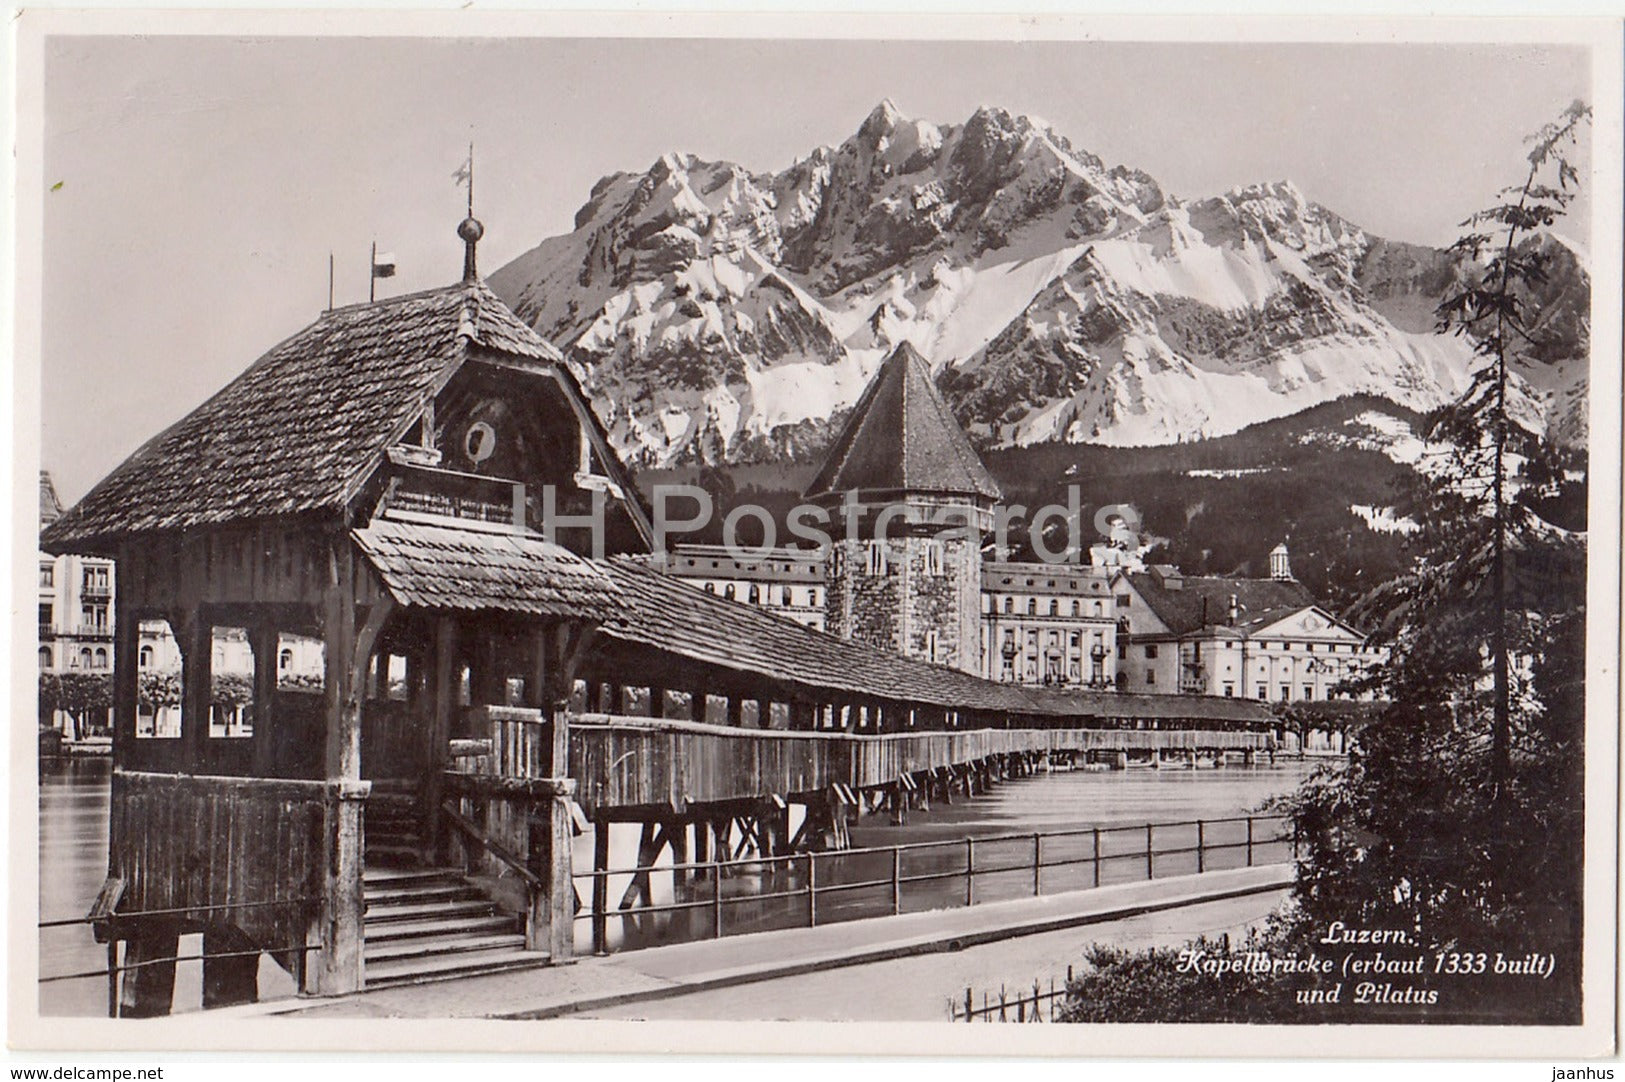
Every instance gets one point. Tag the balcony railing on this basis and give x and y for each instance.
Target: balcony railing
(97, 589)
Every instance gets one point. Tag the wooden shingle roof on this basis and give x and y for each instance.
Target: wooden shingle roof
(304, 425)
(902, 437)
(664, 613)
(439, 567)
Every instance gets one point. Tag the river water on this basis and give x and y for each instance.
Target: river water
(73, 809)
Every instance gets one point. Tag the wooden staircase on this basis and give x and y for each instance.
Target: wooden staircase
(422, 923)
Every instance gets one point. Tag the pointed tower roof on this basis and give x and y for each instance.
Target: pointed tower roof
(901, 437)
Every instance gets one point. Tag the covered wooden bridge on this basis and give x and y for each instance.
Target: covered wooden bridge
(380, 489)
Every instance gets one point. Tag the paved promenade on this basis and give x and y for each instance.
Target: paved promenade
(598, 984)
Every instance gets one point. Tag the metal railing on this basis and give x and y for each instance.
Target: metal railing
(761, 893)
(110, 973)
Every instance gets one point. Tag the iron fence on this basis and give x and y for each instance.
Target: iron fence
(715, 898)
(1019, 1005)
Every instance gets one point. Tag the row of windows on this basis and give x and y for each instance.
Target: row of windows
(757, 594)
(879, 559)
(96, 579)
(85, 659)
(1054, 607)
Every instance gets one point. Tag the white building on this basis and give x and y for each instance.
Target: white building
(1245, 638)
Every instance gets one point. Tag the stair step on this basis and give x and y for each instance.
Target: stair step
(402, 877)
(426, 946)
(384, 931)
(394, 911)
(448, 891)
(420, 970)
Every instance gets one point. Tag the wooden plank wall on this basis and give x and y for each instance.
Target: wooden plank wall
(181, 841)
(629, 762)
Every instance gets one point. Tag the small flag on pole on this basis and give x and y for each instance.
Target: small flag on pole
(383, 265)
(464, 176)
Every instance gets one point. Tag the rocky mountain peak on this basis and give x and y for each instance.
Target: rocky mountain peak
(717, 313)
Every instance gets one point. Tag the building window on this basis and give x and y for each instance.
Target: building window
(45, 657)
(1308, 692)
(1032, 606)
(1263, 692)
(1009, 604)
(1151, 676)
(933, 558)
(1054, 607)
(1098, 610)
(1150, 649)
(1077, 608)
(47, 574)
(101, 658)
(710, 587)
(1310, 648)
(1286, 693)
(788, 597)
(84, 658)
(931, 645)
(1125, 600)
(812, 597)
(1122, 651)
(728, 591)
(755, 594)
(878, 564)
(47, 616)
(146, 657)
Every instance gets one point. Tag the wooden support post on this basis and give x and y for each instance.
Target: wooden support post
(147, 986)
(196, 688)
(550, 924)
(600, 887)
(263, 643)
(677, 832)
(228, 982)
(702, 842)
(341, 917)
(443, 703)
(126, 672)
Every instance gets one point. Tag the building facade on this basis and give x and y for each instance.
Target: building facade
(75, 629)
(1240, 638)
(1048, 624)
(787, 581)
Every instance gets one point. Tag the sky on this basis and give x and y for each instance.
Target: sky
(194, 186)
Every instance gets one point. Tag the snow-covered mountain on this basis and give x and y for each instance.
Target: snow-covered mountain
(719, 314)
